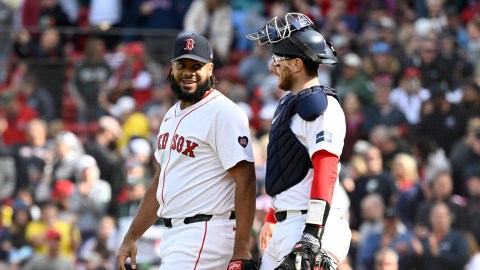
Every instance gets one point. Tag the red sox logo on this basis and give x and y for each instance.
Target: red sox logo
(178, 143)
(189, 44)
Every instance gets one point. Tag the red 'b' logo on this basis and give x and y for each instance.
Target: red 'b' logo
(189, 44)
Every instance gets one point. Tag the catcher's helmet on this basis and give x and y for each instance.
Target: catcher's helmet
(296, 35)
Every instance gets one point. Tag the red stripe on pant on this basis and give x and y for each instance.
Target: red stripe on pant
(201, 248)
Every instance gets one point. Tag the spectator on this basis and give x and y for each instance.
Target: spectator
(61, 195)
(376, 180)
(430, 158)
(52, 15)
(381, 63)
(16, 116)
(386, 259)
(17, 249)
(37, 232)
(49, 64)
(384, 112)
(7, 165)
(102, 149)
(91, 196)
(445, 124)
(90, 80)
(394, 235)
(409, 96)
(7, 21)
(441, 190)
(410, 188)
(212, 19)
(353, 79)
(67, 152)
(99, 247)
(372, 209)
(472, 175)
(132, 78)
(164, 15)
(442, 247)
(470, 102)
(134, 122)
(32, 156)
(466, 153)
(473, 45)
(354, 118)
(254, 68)
(54, 259)
(389, 144)
(432, 66)
(37, 97)
(105, 15)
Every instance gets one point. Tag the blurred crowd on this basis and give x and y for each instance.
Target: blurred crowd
(83, 92)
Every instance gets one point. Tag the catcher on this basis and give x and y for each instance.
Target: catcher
(305, 227)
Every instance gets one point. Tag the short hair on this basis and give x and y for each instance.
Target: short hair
(385, 252)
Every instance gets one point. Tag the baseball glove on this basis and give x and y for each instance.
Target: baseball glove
(242, 264)
(307, 255)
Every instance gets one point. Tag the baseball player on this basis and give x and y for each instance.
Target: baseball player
(305, 227)
(204, 187)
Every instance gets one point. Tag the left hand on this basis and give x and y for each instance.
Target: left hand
(242, 264)
(307, 254)
(304, 255)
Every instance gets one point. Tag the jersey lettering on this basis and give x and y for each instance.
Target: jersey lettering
(189, 44)
(162, 141)
(173, 145)
(190, 147)
(179, 143)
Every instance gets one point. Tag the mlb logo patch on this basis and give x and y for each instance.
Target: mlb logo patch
(324, 136)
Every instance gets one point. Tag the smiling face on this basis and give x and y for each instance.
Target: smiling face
(191, 79)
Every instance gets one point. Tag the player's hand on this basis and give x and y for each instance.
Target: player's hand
(266, 234)
(128, 249)
(307, 254)
(242, 264)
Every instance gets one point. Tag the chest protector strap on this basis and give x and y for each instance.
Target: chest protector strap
(288, 159)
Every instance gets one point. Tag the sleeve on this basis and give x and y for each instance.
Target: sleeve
(270, 217)
(327, 132)
(324, 175)
(231, 139)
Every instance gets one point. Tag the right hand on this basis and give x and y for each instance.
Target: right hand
(266, 234)
(128, 249)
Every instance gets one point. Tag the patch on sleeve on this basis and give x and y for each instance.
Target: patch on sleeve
(324, 136)
(243, 141)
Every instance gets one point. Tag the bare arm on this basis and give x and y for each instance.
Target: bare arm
(244, 175)
(144, 218)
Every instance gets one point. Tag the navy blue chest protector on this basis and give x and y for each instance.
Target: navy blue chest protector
(288, 159)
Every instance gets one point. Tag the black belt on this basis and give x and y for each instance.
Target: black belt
(196, 218)
(282, 215)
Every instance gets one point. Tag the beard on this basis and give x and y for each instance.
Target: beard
(187, 96)
(287, 82)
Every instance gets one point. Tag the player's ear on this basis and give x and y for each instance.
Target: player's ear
(210, 71)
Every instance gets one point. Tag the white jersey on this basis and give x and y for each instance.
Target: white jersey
(196, 146)
(327, 132)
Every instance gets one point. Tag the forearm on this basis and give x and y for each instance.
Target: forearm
(147, 212)
(244, 209)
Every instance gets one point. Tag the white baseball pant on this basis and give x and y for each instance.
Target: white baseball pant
(335, 241)
(204, 245)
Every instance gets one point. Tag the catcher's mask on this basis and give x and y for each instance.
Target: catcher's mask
(296, 35)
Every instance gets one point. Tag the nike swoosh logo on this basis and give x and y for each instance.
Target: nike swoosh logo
(273, 121)
(166, 119)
